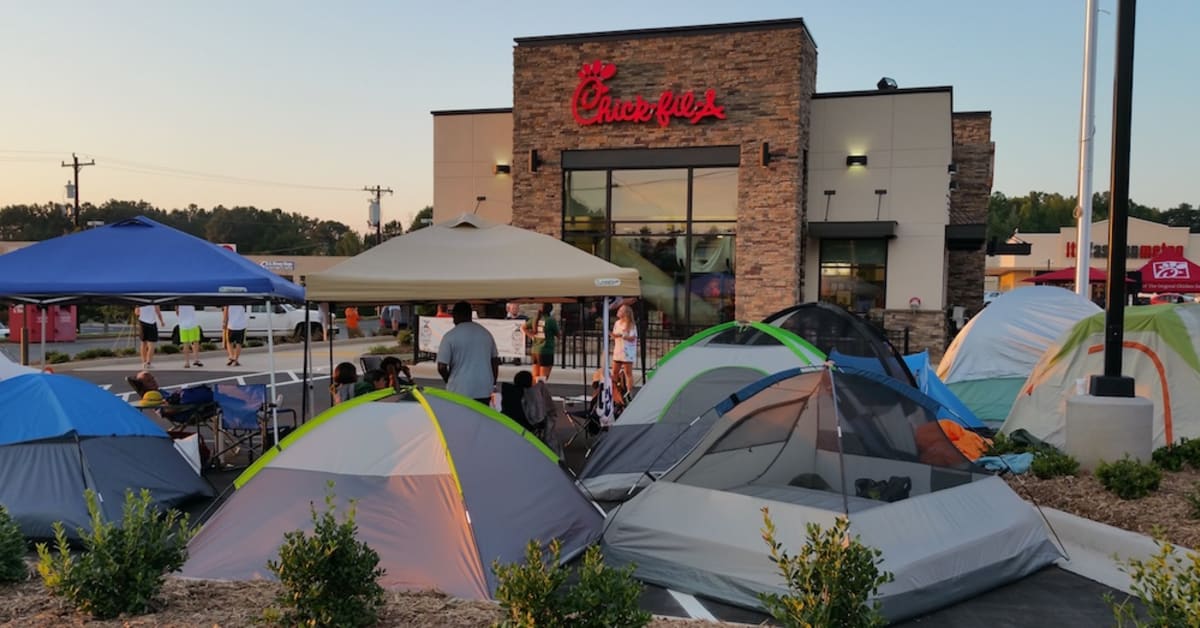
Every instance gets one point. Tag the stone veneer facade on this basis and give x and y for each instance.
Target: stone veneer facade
(764, 75)
(974, 155)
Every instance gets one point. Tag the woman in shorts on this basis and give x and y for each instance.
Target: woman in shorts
(543, 330)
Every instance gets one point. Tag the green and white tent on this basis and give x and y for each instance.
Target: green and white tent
(1161, 353)
(444, 486)
(652, 433)
(994, 354)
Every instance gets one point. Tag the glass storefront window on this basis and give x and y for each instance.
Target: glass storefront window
(657, 195)
(714, 194)
(854, 273)
(642, 219)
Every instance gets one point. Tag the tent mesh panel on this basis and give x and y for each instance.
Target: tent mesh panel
(831, 328)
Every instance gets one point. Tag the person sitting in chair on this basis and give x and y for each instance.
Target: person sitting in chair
(372, 380)
(397, 372)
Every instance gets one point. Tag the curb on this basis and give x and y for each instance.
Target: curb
(1096, 549)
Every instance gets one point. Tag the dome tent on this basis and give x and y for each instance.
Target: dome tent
(696, 375)
(444, 487)
(811, 444)
(992, 356)
(60, 436)
(836, 331)
(1161, 353)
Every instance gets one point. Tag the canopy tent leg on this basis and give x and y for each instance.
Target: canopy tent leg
(305, 402)
(271, 360)
(606, 396)
(329, 334)
(41, 310)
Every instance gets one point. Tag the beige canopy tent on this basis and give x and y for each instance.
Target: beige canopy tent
(469, 258)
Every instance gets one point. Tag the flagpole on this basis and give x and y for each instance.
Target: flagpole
(1087, 133)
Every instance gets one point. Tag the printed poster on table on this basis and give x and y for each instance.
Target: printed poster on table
(510, 341)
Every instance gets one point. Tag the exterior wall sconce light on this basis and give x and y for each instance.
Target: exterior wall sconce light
(856, 160)
(502, 169)
(952, 168)
(766, 154)
(534, 160)
(953, 185)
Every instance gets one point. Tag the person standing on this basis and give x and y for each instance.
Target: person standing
(467, 358)
(352, 320)
(149, 318)
(189, 334)
(233, 325)
(543, 330)
(625, 338)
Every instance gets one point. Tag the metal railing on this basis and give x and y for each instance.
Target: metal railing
(582, 348)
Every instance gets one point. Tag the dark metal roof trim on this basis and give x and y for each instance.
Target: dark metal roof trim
(853, 230)
(672, 31)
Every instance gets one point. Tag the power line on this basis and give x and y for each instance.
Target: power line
(212, 177)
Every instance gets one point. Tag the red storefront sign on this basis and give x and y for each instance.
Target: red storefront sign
(592, 102)
(1135, 251)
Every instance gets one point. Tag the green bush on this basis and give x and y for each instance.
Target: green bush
(1189, 450)
(12, 550)
(127, 351)
(830, 582)
(168, 349)
(121, 569)
(535, 594)
(530, 592)
(54, 357)
(1002, 444)
(208, 346)
(404, 337)
(253, 343)
(1168, 587)
(1128, 478)
(1051, 463)
(383, 350)
(1169, 457)
(1193, 500)
(329, 578)
(92, 354)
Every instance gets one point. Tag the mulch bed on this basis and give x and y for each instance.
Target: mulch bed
(1167, 508)
(189, 603)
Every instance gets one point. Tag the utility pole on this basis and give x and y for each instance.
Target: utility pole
(375, 214)
(75, 165)
(1087, 132)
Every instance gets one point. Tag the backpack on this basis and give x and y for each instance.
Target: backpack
(893, 489)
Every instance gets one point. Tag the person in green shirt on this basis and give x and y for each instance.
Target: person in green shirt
(543, 330)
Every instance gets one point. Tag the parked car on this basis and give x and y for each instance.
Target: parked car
(3, 331)
(285, 320)
(1160, 299)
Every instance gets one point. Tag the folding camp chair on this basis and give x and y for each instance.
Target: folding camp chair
(245, 415)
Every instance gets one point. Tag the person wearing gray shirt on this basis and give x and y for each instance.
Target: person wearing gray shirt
(467, 358)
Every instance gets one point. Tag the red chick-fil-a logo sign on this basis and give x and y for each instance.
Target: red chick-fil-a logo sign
(592, 102)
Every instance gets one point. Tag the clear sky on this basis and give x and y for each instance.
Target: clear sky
(303, 103)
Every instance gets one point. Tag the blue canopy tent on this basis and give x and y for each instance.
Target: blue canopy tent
(951, 407)
(138, 261)
(60, 435)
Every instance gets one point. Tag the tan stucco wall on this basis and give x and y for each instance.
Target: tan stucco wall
(907, 138)
(466, 149)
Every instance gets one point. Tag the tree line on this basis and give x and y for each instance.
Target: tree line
(253, 230)
(1047, 212)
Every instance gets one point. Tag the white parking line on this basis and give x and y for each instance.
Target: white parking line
(692, 606)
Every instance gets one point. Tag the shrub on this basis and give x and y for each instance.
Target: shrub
(1002, 444)
(168, 349)
(530, 592)
(404, 337)
(1193, 500)
(1169, 457)
(253, 343)
(1128, 478)
(121, 569)
(92, 354)
(12, 550)
(830, 582)
(127, 351)
(1189, 450)
(383, 350)
(605, 597)
(1168, 588)
(208, 346)
(534, 594)
(329, 578)
(1051, 463)
(55, 357)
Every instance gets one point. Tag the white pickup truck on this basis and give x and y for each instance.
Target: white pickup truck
(286, 320)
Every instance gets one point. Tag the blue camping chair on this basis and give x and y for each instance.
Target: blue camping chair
(245, 416)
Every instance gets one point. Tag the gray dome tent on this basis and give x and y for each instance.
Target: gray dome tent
(834, 330)
(813, 444)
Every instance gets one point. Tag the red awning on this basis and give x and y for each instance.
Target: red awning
(1067, 275)
(1170, 272)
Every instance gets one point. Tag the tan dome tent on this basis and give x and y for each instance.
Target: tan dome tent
(813, 444)
(444, 487)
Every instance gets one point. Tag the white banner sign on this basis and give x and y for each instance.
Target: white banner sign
(510, 341)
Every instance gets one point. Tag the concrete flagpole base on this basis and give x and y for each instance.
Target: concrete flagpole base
(1104, 429)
